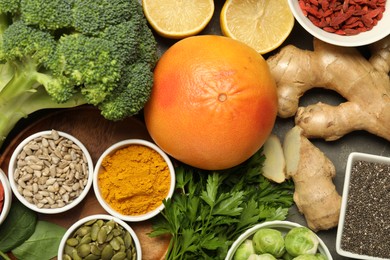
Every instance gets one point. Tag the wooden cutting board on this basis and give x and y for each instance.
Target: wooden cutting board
(97, 134)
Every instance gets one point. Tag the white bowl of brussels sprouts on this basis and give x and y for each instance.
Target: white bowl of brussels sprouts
(278, 240)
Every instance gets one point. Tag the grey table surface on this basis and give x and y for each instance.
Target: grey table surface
(337, 151)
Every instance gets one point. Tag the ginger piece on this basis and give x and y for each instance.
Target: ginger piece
(364, 83)
(274, 167)
(312, 172)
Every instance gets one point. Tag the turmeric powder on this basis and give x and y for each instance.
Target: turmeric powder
(135, 180)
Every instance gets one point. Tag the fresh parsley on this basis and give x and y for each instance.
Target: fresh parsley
(212, 208)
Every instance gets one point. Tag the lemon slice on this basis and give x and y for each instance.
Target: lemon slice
(178, 19)
(262, 24)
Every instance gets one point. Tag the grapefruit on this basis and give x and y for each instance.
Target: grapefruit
(213, 103)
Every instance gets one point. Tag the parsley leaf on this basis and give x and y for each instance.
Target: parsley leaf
(212, 208)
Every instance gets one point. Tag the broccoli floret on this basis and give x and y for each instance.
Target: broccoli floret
(30, 50)
(64, 53)
(53, 14)
(130, 96)
(9, 6)
(106, 13)
(98, 71)
(126, 38)
(21, 41)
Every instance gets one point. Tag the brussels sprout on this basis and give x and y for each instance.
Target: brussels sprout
(254, 257)
(287, 256)
(262, 257)
(268, 240)
(244, 250)
(306, 257)
(321, 256)
(300, 241)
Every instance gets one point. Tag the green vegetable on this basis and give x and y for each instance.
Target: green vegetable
(301, 240)
(244, 250)
(64, 53)
(17, 227)
(43, 243)
(268, 240)
(213, 208)
(287, 256)
(307, 257)
(261, 257)
(320, 256)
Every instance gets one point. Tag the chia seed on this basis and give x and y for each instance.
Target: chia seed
(367, 218)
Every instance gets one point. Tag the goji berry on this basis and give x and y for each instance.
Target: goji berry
(343, 17)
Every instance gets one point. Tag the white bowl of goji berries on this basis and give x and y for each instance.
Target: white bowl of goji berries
(344, 23)
(5, 196)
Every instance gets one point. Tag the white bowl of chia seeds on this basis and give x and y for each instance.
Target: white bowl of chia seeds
(100, 236)
(50, 172)
(364, 228)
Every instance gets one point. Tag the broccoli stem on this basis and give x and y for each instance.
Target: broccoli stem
(3, 23)
(21, 94)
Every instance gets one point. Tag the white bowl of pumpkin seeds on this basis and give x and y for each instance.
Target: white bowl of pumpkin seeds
(50, 172)
(100, 236)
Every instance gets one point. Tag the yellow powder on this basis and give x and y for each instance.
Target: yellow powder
(135, 180)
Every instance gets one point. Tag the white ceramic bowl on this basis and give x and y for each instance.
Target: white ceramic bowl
(14, 186)
(7, 196)
(378, 32)
(282, 226)
(105, 217)
(354, 157)
(98, 169)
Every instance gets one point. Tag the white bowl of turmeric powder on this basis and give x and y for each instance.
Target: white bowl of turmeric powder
(132, 178)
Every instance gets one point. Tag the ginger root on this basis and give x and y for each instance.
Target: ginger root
(274, 167)
(312, 172)
(364, 83)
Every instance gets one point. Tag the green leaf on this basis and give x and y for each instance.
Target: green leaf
(43, 244)
(189, 237)
(229, 204)
(211, 242)
(182, 178)
(210, 194)
(249, 215)
(17, 227)
(193, 207)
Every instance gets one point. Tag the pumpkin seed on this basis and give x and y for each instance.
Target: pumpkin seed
(119, 256)
(83, 250)
(92, 257)
(72, 242)
(94, 231)
(107, 252)
(116, 245)
(102, 235)
(83, 230)
(66, 257)
(96, 250)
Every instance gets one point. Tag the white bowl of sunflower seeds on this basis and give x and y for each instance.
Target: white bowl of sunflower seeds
(50, 172)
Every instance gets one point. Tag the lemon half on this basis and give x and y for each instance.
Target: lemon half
(178, 19)
(262, 24)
